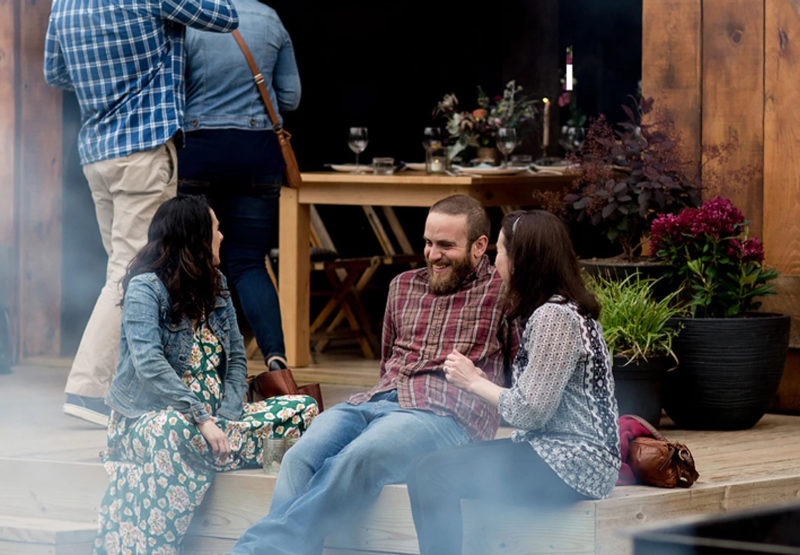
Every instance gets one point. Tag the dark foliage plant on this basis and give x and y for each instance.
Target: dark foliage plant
(628, 176)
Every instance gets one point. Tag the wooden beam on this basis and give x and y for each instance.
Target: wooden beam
(671, 71)
(8, 155)
(733, 99)
(40, 191)
(781, 141)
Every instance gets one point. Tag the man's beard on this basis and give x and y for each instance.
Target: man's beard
(450, 281)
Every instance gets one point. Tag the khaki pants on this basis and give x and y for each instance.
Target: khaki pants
(126, 192)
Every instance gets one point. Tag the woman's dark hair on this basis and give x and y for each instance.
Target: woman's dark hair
(179, 252)
(542, 263)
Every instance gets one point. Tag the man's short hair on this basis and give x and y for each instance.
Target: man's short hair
(477, 219)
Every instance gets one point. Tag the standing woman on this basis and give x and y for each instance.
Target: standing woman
(565, 446)
(232, 156)
(177, 412)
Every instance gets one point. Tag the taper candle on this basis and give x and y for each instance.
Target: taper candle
(546, 123)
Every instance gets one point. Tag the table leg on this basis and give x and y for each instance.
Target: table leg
(294, 276)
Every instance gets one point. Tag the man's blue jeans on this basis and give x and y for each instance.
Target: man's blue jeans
(340, 466)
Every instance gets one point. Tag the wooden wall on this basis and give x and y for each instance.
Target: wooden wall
(727, 71)
(30, 179)
(8, 148)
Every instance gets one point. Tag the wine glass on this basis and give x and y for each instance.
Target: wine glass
(506, 142)
(572, 138)
(431, 136)
(357, 141)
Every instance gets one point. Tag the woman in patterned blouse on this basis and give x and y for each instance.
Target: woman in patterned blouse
(177, 412)
(565, 446)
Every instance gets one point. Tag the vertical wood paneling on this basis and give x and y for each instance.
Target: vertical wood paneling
(7, 151)
(40, 191)
(732, 105)
(782, 136)
(671, 71)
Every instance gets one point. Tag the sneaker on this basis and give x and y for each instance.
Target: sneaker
(91, 409)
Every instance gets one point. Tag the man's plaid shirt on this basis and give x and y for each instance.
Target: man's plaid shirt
(420, 329)
(124, 59)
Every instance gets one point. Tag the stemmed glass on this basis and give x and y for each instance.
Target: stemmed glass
(506, 142)
(357, 141)
(431, 136)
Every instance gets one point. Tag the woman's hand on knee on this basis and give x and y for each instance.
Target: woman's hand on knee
(217, 440)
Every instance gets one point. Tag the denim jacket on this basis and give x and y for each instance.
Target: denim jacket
(154, 354)
(220, 92)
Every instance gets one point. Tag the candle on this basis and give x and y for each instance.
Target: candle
(546, 123)
(568, 82)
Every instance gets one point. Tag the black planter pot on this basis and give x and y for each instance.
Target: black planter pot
(618, 270)
(638, 386)
(729, 369)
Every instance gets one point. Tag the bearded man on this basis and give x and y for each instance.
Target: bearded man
(355, 448)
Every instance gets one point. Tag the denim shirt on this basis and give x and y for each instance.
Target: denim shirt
(154, 354)
(220, 92)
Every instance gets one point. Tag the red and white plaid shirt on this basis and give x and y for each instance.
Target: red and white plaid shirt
(421, 328)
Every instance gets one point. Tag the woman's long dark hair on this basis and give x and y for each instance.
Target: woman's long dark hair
(179, 252)
(542, 263)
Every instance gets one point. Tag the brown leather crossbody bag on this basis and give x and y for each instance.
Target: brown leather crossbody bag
(656, 461)
(292, 171)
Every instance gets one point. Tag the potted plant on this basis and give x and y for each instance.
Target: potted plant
(731, 358)
(626, 177)
(637, 329)
(478, 128)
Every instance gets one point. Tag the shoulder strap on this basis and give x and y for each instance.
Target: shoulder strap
(259, 79)
(650, 428)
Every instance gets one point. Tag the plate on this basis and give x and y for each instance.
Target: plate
(489, 170)
(416, 166)
(351, 168)
(553, 166)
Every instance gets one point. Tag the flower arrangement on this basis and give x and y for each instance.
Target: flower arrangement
(477, 128)
(721, 267)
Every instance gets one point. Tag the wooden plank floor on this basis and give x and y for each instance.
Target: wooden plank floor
(738, 469)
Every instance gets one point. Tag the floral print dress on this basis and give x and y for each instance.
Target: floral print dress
(160, 466)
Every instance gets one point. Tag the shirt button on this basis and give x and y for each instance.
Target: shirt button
(195, 123)
(253, 123)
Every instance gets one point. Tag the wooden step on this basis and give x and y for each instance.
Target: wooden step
(38, 536)
(740, 469)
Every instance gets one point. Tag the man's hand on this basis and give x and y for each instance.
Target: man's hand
(216, 439)
(460, 371)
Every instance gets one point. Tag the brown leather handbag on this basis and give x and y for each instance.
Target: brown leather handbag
(657, 461)
(292, 170)
(280, 382)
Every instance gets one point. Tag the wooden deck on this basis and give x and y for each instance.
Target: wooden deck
(51, 482)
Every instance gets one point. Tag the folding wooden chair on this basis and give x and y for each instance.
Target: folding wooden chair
(347, 280)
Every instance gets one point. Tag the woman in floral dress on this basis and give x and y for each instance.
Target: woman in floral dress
(178, 416)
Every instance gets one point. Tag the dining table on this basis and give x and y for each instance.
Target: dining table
(406, 189)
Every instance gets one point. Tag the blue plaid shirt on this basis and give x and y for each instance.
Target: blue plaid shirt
(125, 61)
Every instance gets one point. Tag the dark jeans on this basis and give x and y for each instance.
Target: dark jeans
(498, 470)
(240, 173)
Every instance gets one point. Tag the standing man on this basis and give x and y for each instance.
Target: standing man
(125, 60)
(353, 449)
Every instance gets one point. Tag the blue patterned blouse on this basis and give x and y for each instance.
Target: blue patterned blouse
(562, 398)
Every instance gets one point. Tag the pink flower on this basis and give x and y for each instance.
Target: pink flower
(564, 99)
